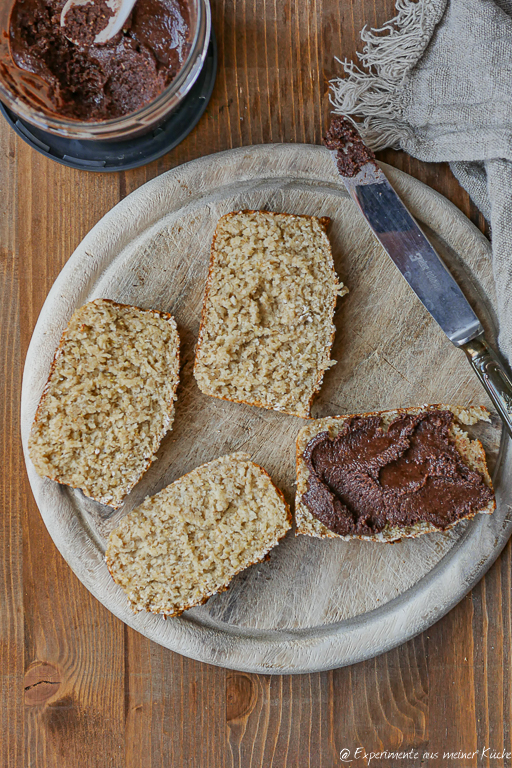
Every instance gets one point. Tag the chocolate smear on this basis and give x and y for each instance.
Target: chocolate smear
(366, 478)
(351, 151)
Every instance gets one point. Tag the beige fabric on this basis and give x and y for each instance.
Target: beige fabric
(440, 87)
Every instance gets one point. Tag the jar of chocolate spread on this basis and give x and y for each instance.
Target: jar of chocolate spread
(117, 90)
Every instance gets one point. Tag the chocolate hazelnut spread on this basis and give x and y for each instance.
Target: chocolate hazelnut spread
(95, 82)
(351, 152)
(365, 478)
(84, 22)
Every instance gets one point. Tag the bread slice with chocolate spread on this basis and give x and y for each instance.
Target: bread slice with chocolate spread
(352, 511)
(267, 322)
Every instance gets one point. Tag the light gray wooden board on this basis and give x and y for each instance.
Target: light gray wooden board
(315, 604)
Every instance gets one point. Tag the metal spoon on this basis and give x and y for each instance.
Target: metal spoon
(121, 9)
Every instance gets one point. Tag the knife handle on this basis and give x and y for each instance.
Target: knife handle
(492, 373)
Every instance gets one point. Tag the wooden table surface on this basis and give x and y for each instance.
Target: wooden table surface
(81, 689)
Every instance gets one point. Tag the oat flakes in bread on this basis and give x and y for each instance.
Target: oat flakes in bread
(109, 399)
(470, 451)
(187, 542)
(267, 322)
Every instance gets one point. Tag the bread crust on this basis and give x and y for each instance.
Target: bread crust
(324, 222)
(170, 409)
(264, 555)
(308, 525)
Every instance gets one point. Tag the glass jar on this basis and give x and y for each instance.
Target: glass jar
(119, 128)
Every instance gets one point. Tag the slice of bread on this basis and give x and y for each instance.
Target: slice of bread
(187, 543)
(267, 323)
(109, 399)
(471, 451)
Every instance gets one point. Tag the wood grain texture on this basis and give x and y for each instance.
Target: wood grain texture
(82, 653)
(11, 498)
(448, 689)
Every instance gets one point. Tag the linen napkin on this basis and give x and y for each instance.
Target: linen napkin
(436, 81)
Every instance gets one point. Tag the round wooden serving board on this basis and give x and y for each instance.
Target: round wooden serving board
(314, 604)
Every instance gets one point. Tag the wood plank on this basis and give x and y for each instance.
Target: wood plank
(73, 647)
(491, 628)
(11, 461)
(280, 721)
(174, 708)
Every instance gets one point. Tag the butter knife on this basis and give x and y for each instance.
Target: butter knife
(419, 263)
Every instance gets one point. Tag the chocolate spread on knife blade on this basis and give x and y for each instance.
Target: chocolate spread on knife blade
(365, 478)
(94, 82)
(352, 153)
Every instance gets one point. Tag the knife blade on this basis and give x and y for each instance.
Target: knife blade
(419, 263)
